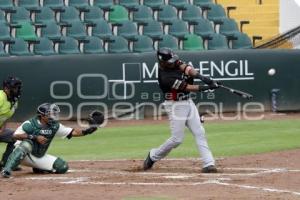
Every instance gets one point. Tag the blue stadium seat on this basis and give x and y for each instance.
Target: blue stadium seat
(118, 44)
(143, 44)
(178, 28)
(44, 47)
(19, 48)
(93, 45)
(68, 46)
(45, 15)
(217, 42)
(153, 29)
(168, 41)
(102, 29)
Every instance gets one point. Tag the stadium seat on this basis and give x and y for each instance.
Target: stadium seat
(216, 13)
(68, 46)
(2, 50)
(79, 4)
(4, 31)
(118, 14)
(6, 5)
(191, 13)
(44, 15)
(93, 14)
(229, 27)
(118, 44)
(104, 4)
(154, 4)
(241, 41)
(129, 4)
(26, 31)
(204, 28)
(54, 4)
(19, 48)
(143, 44)
(69, 14)
(153, 29)
(192, 42)
(203, 3)
(2, 16)
(77, 30)
(167, 14)
(128, 30)
(29, 4)
(44, 47)
(168, 41)
(178, 28)
(179, 4)
(20, 14)
(217, 41)
(142, 14)
(51, 31)
(93, 45)
(102, 29)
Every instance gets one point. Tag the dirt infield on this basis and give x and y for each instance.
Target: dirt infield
(264, 176)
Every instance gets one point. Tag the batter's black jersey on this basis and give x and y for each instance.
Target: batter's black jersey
(173, 82)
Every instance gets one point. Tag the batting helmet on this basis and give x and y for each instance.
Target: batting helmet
(167, 55)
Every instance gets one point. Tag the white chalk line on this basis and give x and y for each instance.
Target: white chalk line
(126, 160)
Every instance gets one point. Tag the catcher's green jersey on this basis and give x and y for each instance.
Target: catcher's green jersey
(34, 127)
(6, 109)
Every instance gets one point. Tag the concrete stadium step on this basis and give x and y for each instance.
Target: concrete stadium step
(250, 16)
(248, 2)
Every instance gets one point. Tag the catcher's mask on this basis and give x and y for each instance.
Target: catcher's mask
(50, 111)
(167, 58)
(14, 87)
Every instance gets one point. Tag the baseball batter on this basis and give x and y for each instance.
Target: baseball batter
(34, 137)
(9, 97)
(176, 80)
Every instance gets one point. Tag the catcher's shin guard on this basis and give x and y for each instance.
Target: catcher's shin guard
(60, 166)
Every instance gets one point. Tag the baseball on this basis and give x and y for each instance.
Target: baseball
(271, 72)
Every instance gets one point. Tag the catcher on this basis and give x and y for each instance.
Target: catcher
(34, 137)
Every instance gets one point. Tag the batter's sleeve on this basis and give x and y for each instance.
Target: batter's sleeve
(63, 131)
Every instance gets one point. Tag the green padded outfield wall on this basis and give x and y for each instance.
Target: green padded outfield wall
(81, 82)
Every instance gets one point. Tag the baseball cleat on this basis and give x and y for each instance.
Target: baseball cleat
(209, 169)
(148, 163)
(5, 174)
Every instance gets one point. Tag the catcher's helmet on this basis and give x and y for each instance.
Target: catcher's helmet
(51, 111)
(14, 85)
(166, 55)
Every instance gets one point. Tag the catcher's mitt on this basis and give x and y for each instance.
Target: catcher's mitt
(95, 119)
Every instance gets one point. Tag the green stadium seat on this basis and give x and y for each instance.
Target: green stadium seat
(203, 3)
(154, 4)
(118, 44)
(69, 14)
(191, 13)
(54, 4)
(51, 31)
(20, 14)
(104, 4)
(217, 42)
(241, 41)
(44, 47)
(29, 4)
(2, 16)
(192, 42)
(6, 5)
(26, 31)
(128, 30)
(19, 48)
(216, 13)
(142, 14)
(204, 28)
(153, 29)
(77, 30)
(143, 44)
(229, 27)
(93, 45)
(2, 50)
(79, 4)
(129, 4)
(179, 4)
(102, 29)
(93, 14)
(44, 15)
(4, 32)
(168, 41)
(167, 14)
(68, 46)
(178, 28)
(118, 14)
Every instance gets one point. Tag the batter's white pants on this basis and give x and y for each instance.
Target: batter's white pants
(181, 114)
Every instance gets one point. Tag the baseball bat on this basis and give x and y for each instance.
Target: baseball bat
(237, 92)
